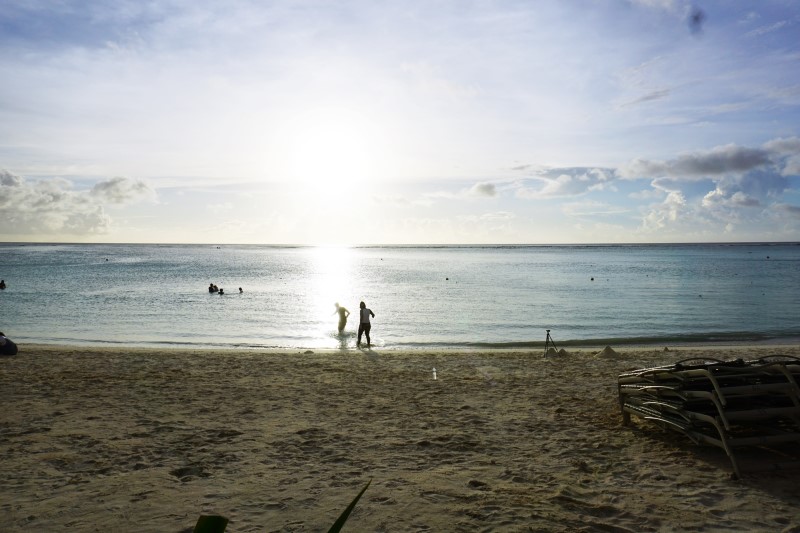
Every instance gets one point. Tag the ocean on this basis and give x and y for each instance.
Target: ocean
(422, 297)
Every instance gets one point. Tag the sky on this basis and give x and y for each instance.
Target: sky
(399, 122)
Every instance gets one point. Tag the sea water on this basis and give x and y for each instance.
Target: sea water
(443, 297)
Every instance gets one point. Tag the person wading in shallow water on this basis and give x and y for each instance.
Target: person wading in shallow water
(364, 326)
(343, 314)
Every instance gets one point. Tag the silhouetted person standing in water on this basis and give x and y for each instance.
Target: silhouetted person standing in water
(343, 314)
(364, 326)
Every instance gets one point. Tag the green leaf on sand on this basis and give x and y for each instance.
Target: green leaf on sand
(211, 524)
(337, 526)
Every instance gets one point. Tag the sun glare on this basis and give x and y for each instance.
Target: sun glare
(330, 147)
(332, 277)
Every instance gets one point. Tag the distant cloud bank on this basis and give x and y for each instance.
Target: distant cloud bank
(51, 208)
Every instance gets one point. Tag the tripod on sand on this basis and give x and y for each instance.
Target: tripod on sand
(548, 343)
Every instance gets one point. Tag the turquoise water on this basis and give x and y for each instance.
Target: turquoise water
(156, 295)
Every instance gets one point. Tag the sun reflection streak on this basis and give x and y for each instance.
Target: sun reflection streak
(333, 274)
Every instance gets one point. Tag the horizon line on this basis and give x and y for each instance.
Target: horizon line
(404, 245)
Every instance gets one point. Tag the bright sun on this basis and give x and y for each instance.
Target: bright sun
(330, 147)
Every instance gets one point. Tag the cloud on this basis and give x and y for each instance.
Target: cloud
(668, 185)
(654, 95)
(667, 5)
(654, 193)
(791, 210)
(591, 209)
(784, 146)
(401, 201)
(728, 183)
(668, 211)
(769, 28)
(429, 80)
(7, 179)
(695, 196)
(121, 190)
(792, 167)
(761, 183)
(486, 227)
(701, 164)
(743, 200)
(788, 148)
(51, 208)
(735, 197)
(492, 227)
(783, 95)
(718, 197)
(478, 190)
(483, 189)
(559, 182)
(738, 203)
(220, 209)
(732, 210)
(497, 216)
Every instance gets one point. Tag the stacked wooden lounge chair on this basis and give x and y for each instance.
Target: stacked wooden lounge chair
(731, 404)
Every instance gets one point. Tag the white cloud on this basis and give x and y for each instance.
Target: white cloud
(769, 28)
(592, 209)
(51, 208)
(219, 209)
(497, 216)
(649, 97)
(562, 182)
(792, 167)
(668, 211)
(492, 227)
(667, 185)
(122, 190)
(719, 197)
(401, 201)
(667, 5)
(655, 193)
(431, 81)
(740, 206)
(744, 183)
(486, 227)
(478, 190)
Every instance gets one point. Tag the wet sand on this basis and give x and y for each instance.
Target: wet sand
(127, 439)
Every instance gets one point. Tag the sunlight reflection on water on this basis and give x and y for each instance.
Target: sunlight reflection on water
(331, 274)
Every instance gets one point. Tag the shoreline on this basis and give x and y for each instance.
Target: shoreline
(132, 439)
(570, 346)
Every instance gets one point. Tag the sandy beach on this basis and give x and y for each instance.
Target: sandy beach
(123, 439)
